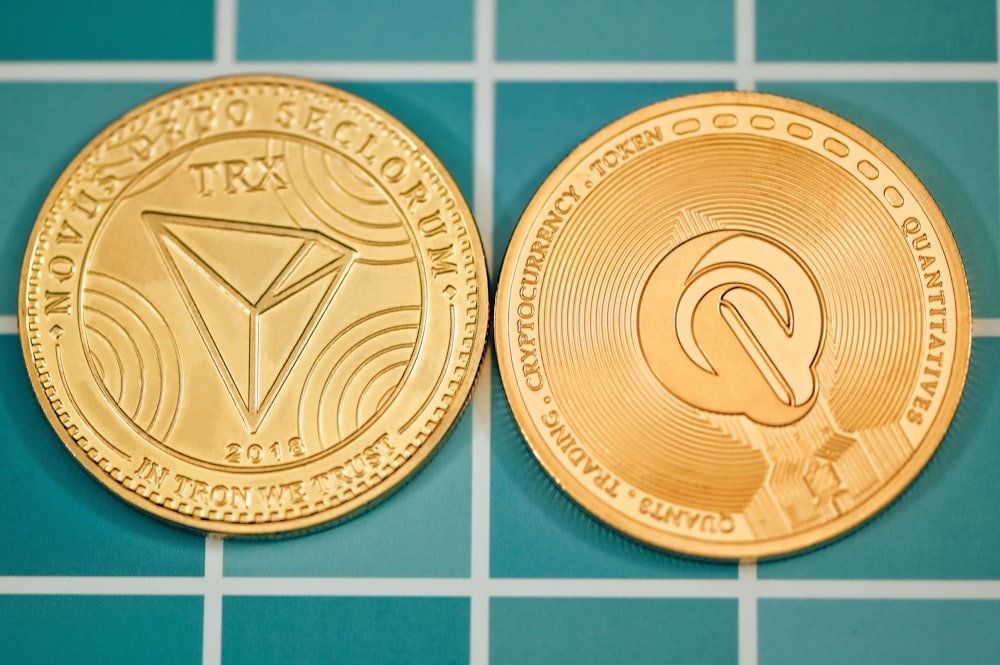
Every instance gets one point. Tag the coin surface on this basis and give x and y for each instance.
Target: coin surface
(253, 305)
(732, 325)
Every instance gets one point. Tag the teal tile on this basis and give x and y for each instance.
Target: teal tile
(44, 126)
(538, 124)
(423, 530)
(537, 531)
(106, 30)
(584, 631)
(56, 519)
(874, 632)
(95, 630)
(624, 30)
(944, 526)
(947, 134)
(344, 630)
(373, 30)
(889, 30)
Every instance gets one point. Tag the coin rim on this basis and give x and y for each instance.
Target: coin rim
(297, 525)
(743, 550)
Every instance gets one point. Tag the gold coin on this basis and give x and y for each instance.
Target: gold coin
(733, 325)
(254, 304)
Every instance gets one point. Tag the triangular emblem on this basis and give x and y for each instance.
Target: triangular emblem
(255, 292)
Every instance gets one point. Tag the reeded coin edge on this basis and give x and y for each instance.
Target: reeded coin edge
(98, 468)
(742, 550)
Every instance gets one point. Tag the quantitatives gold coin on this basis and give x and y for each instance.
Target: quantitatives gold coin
(733, 325)
(253, 305)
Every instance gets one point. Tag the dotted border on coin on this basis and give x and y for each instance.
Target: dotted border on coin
(819, 137)
(460, 362)
(766, 123)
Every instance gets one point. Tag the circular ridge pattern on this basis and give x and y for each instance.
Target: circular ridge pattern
(673, 472)
(192, 268)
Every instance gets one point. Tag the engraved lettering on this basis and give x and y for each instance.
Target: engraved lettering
(356, 470)
(141, 146)
(68, 235)
(341, 130)
(414, 196)
(57, 302)
(367, 156)
(152, 472)
(432, 225)
(315, 120)
(62, 268)
(86, 204)
(286, 115)
(203, 118)
(685, 519)
(269, 170)
(625, 150)
(202, 173)
(394, 169)
(921, 243)
(237, 111)
(439, 263)
(233, 168)
(258, 175)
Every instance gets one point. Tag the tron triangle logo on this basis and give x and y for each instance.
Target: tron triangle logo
(255, 292)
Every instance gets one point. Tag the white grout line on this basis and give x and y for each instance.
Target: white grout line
(8, 325)
(483, 147)
(101, 586)
(747, 614)
(516, 71)
(986, 327)
(480, 585)
(746, 40)
(225, 33)
(212, 588)
(846, 589)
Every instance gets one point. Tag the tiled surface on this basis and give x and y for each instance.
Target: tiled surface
(372, 30)
(106, 30)
(480, 558)
(639, 631)
(869, 632)
(888, 30)
(366, 631)
(593, 30)
(94, 629)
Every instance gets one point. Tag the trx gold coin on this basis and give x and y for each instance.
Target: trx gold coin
(733, 325)
(253, 305)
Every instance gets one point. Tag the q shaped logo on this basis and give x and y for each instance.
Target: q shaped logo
(732, 322)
